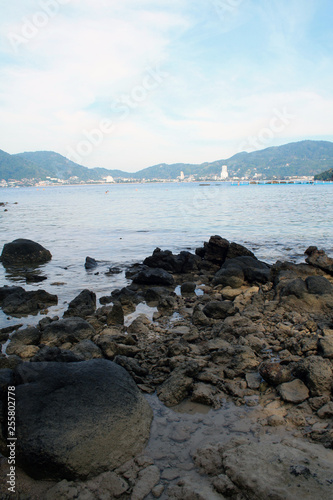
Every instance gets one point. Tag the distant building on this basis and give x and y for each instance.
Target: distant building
(182, 176)
(109, 179)
(224, 172)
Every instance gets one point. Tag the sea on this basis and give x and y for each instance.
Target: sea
(121, 224)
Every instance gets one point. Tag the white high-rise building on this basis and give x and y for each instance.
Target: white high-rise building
(182, 176)
(224, 172)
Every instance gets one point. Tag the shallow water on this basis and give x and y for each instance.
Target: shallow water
(122, 224)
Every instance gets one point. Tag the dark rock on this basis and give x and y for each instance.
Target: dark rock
(116, 315)
(35, 278)
(275, 373)
(316, 373)
(293, 392)
(114, 270)
(28, 336)
(188, 287)
(165, 259)
(232, 276)
(23, 251)
(236, 270)
(156, 293)
(153, 276)
(219, 309)
(215, 250)
(295, 287)
(6, 379)
(66, 330)
(131, 365)
(318, 285)
(83, 305)
(18, 302)
(9, 361)
(236, 250)
(76, 420)
(318, 258)
(57, 355)
(90, 263)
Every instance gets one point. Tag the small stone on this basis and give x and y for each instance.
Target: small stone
(148, 478)
(253, 380)
(158, 490)
(326, 411)
(293, 392)
(275, 420)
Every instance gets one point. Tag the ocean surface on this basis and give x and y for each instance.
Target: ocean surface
(122, 224)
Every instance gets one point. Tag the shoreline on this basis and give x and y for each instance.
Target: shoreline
(247, 343)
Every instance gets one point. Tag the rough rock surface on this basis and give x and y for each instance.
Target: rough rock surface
(15, 301)
(22, 251)
(77, 420)
(287, 471)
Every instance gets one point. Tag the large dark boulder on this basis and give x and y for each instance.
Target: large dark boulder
(83, 305)
(152, 276)
(165, 259)
(15, 301)
(23, 251)
(318, 285)
(77, 420)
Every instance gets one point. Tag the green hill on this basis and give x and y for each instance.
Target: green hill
(304, 158)
(325, 176)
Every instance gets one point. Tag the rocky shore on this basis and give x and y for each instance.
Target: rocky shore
(220, 388)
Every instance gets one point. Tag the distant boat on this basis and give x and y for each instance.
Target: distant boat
(204, 184)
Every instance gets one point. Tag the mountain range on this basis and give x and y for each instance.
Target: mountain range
(304, 158)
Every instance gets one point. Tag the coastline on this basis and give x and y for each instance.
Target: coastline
(247, 344)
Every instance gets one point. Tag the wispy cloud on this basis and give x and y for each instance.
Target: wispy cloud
(229, 65)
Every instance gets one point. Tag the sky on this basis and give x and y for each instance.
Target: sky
(133, 83)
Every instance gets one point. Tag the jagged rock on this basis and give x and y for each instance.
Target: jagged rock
(325, 347)
(28, 336)
(215, 250)
(116, 315)
(153, 276)
(22, 251)
(178, 385)
(326, 411)
(182, 263)
(318, 258)
(275, 373)
(83, 305)
(316, 373)
(76, 420)
(15, 301)
(293, 392)
(90, 263)
(66, 330)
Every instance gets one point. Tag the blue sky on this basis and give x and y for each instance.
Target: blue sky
(139, 82)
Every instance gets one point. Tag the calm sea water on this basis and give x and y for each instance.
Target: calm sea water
(122, 224)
